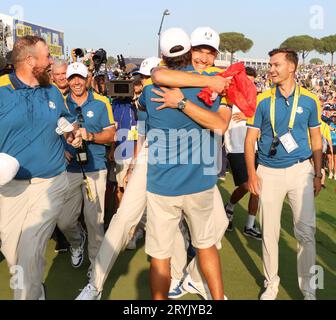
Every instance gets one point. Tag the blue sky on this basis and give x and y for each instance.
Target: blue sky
(131, 29)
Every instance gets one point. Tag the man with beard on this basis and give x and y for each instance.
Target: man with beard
(30, 204)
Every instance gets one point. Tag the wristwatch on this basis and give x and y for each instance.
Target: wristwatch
(182, 104)
(92, 137)
(319, 175)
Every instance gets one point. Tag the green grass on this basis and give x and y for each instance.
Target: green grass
(240, 257)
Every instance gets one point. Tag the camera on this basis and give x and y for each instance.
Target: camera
(78, 53)
(122, 85)
(99, 58)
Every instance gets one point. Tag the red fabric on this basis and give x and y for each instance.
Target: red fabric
(242, 91)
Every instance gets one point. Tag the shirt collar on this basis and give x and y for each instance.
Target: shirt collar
(280, 95)
(17, 83)
(89, 99)
(188, 68)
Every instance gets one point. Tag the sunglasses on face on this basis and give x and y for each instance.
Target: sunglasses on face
(274, 145)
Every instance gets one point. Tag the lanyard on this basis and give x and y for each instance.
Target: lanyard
(294, 109)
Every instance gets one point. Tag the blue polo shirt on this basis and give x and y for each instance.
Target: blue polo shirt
(125, 116)
(28, 122)
(333, 133)
(97, 114)
(308, 116)
(180, 150)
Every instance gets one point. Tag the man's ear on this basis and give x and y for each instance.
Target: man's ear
(292, 67)
(30, 61)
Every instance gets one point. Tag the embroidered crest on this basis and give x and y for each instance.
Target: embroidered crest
(52, 105)
(90, 114)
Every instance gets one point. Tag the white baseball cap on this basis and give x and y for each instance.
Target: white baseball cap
(148, 64)
(9, 167)
(174, 37)
(77, 68)
(205, 36)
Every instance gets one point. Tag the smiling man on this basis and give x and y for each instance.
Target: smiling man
(30, 108)
(94, 114)
(287, 117)
(58, 76)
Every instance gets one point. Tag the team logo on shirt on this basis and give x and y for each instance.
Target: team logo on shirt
(90, 114)
(52, 105)
(299, 110)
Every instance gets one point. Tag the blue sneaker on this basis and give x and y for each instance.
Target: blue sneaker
(176, 290)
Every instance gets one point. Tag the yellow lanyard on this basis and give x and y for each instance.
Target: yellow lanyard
(294, 109)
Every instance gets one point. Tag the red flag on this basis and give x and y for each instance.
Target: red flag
(242, 92)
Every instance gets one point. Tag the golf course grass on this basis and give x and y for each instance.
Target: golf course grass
(240, 257)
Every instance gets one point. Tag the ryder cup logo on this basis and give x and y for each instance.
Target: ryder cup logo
(299, 110)
(52, 105)
(208, 35)
(90, 114)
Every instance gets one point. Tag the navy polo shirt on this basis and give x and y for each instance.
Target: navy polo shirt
(28, 122)
(307, 116)
(180, 150)
(97, 114)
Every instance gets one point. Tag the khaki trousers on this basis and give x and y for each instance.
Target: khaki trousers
(129, 215)
(28, 215)
(296, 183)
(93, 211)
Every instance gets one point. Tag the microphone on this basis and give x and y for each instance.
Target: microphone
(64, 126)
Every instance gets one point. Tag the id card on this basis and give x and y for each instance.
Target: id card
(133, 134)
(288, 142)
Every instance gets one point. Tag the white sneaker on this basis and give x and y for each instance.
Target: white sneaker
(43, 293)
(89, 293)
(270, 293)
(309, 296)
(133, 242)
(331, 176)
(176, 289)
(199, 288)
(334, 176)
(77, 255)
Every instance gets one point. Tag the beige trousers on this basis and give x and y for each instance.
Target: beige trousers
(93, 211)
(296, 183)
(129, 215)
(28, 215)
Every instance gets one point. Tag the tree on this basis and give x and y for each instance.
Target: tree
(327, 45)
(316, 61)
(302, 44)
(233, 42)
(111, 61)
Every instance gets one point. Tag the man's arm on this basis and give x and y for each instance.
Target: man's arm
(104, 137)
(316, 143)
(250, 142)
(179, 79)
(219, 120)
